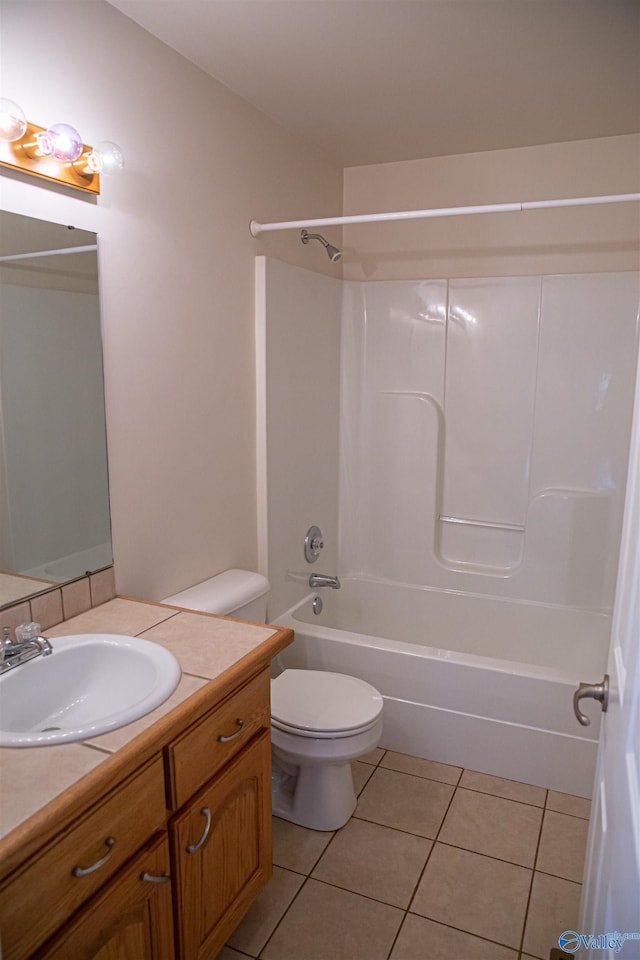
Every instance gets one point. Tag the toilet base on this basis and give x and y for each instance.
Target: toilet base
(319, 797)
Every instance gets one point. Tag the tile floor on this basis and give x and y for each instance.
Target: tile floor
(437, 863)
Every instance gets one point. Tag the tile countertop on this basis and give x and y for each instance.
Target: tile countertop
(205, 646)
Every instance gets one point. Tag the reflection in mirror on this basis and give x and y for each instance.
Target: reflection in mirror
(54, 496)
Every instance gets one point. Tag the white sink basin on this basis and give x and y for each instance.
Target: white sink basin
(90, 684)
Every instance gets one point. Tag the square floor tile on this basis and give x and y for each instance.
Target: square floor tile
(493, 826)
(325, 923)
(361, 773)
(474, 893)
(421, 768)
(563, 846)
(565, 803)
(374, 756)
(420, 939)
(499, 787)
(405, 802)
(554, 908)
(297, 848)
(375, 861)
(265, 912)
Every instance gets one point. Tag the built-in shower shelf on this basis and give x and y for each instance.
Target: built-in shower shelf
(516, 527)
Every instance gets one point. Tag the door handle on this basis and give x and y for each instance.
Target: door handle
(594, 691)
(206, 813)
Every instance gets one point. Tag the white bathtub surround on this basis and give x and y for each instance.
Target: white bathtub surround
(450, 692)
(485, 429)
(478, 493)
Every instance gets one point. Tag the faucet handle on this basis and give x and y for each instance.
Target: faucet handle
(5, 642)
(27, 631)
(313, 544)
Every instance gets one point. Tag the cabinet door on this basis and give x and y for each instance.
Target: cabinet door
(131, 919)
(221, 851)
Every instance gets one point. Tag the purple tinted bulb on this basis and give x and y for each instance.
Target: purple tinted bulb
(66, 142)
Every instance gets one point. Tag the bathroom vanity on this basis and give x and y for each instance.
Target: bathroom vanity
(160, 837)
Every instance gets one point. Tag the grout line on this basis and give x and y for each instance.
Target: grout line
(497, 796)
(572, 816)
(533, 876)
(486, 793)
(433, 846)
(419, 776)
(477, 936)
(94, 746)
(402, 923)
(424, 776)
(488, 856)
(356, 893)
(556, 876)
(408, 833)
(264, 945)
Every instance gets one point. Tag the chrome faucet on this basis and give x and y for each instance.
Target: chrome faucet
(317, 580)
(23, 649)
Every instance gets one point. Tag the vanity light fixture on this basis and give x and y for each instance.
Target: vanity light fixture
(56, 153)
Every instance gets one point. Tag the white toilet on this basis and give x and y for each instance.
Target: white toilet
(320, 721)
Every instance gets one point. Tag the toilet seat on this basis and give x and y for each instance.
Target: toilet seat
(323, 705)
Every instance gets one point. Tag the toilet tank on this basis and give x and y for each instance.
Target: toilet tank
(234, 593)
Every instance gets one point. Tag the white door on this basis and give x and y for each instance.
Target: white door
(611, 892)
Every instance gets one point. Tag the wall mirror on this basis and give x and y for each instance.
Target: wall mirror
(54, 493)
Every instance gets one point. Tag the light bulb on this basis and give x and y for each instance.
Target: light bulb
(13, 122)
(62, 142)
(106, 158)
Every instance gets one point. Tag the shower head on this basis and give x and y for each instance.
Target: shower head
(332, 252)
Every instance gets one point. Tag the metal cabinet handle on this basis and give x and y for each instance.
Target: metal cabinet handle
(83, 871)
(149, 878)
(234, 736)
(192, 847)
(595, 691)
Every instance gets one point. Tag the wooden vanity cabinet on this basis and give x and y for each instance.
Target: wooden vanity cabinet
(198, 811)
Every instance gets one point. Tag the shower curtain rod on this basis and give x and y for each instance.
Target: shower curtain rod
(48, 253)
(258, 228)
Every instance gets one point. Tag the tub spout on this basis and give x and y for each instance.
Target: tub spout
(317, 580)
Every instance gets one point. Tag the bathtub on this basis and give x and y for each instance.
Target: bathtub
(477, 682)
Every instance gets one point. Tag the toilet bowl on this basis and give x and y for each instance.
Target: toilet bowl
(320, 721)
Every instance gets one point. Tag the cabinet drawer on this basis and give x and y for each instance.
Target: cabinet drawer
(206, 747)
(37, 900)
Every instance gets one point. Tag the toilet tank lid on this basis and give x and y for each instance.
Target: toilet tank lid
(222, 594)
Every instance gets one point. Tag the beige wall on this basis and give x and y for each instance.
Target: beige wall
(503, 244)
(177, 266)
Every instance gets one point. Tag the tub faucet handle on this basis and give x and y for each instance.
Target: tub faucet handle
(313, 544)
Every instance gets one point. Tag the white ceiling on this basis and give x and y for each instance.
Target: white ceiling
(370, 81)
